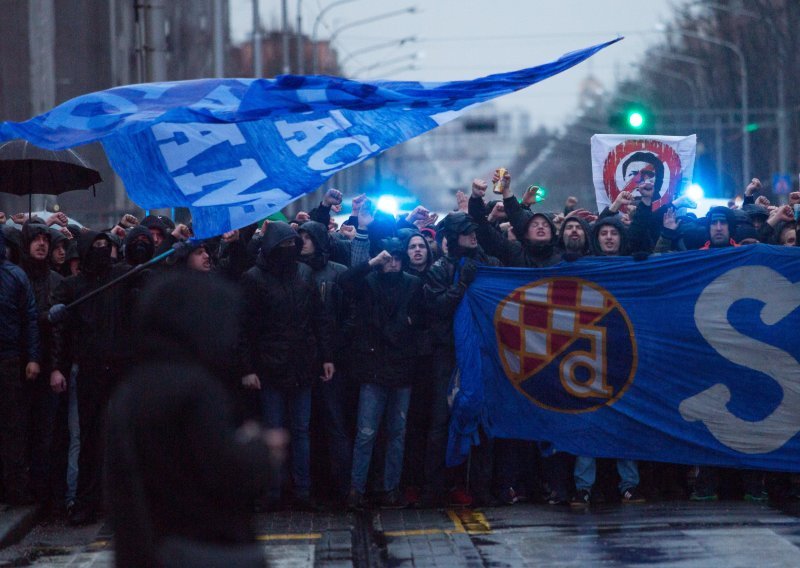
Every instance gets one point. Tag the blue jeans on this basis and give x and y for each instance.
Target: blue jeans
(586, 470)
(374, 402)
(280, 406)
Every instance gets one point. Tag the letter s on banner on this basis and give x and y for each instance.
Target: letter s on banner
(780, 299)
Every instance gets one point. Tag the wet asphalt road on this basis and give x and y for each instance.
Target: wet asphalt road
(725, 534)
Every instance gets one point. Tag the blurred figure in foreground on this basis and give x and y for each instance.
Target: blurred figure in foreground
(181, 478)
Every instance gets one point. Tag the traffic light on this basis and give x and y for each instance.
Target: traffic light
(635, 119)
(632, 119)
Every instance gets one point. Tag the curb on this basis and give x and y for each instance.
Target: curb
(16, 522)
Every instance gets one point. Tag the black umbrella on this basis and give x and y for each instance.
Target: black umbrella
(26, 169)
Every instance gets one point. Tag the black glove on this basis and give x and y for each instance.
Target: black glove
(468, 272)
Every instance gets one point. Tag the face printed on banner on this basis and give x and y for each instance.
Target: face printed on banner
(643, 171)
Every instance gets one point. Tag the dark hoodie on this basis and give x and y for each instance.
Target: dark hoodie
(138, 245)
(93, 331)
(521, 253)
(588, 248)
(43, 280)
(405, 236)
(619, 226)
(325, 272)
(57, 238)
(286, 331)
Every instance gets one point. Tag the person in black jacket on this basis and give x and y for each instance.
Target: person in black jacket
(386, 309)
(447, 282)
(181, 477)
(536, 235)
(34, 255)
(334, 400)
(285, 345)
(19, 362)
(91, 336)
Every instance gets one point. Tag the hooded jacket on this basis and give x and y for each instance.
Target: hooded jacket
(19, 333)
(287, 333)
(619, 226)
(521, 253)
(588, 244)
(43, 280)
(405, 236)
(147, 246)
(92, 332)
(326, 274)
(382, 327)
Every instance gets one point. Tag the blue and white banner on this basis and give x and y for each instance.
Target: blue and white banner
(237, 150)
(689, 357)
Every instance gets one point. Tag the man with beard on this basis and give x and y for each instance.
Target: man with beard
(384, 319)
(285, 345)
(34, 254)
(19, 363)
(721, 224)
(535, 233)
(574, 238)
(447, 282)
(91, 335)
(337, 397)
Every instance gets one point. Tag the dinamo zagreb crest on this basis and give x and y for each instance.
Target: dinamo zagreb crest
(566, 344)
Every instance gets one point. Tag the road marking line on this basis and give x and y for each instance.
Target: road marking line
(290, 536)
(417, 532)
(464, 521)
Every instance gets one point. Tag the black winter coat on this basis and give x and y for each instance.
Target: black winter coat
(443, 293)
(94, 332)
(286, 333)
(383, 325)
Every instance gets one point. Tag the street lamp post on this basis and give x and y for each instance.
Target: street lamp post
(397, 70)
(386, 62)
(314, 52)
(365, 21)
(745, 100)
(300, 69)
(258, 70)
(377, 47)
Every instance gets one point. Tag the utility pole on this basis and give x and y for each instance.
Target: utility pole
(156, 46)
(287, 66)
(219, 41)
(258, 69)
(300, 69)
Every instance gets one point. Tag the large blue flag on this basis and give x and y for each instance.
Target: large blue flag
(237, 150)
(690, 358)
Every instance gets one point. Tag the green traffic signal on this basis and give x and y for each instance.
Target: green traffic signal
(636, 119)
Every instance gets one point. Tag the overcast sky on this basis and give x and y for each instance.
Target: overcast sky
(465, 39)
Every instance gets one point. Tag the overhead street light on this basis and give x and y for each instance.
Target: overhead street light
(365, 21)
(395, 71)
(317, 20)
(745, 98)
(385, 62)
(378, 47)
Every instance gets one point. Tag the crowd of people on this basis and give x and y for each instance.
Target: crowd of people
(343, 336)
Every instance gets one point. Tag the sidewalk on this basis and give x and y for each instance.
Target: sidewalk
(16, 522)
